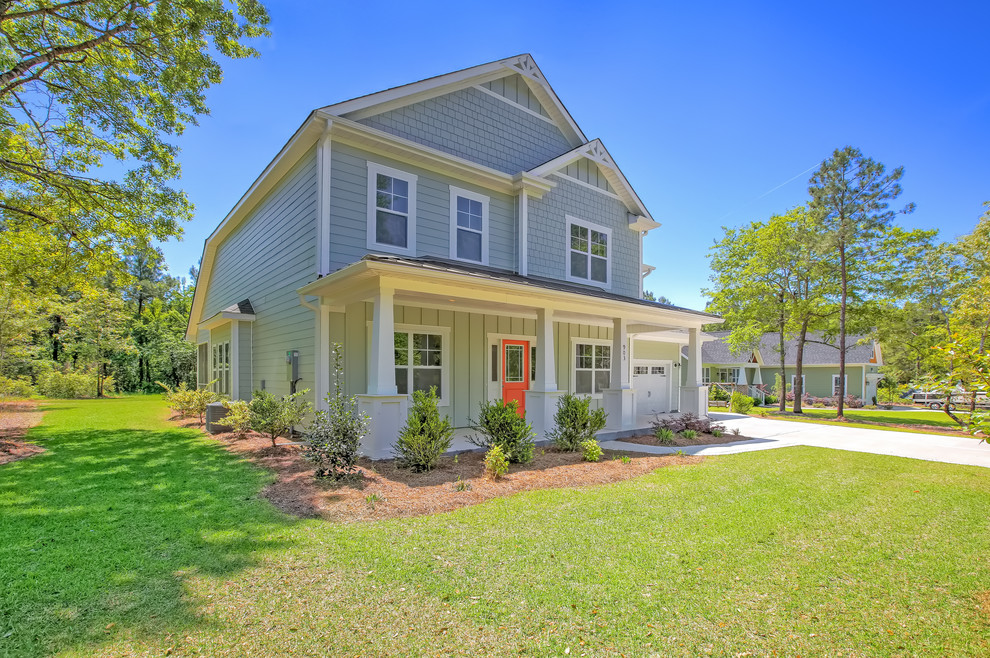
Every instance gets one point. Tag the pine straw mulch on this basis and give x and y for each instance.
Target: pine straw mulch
(382, 491)
(703, 439)
(16, 418)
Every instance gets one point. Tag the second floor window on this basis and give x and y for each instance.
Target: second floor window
(589, 253)
(468, 226)
(391, 209)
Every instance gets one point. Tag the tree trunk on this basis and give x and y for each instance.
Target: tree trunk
(842, 332)
(783, 372)
(799, 368)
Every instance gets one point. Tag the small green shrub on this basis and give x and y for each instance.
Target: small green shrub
(499, 424)
(462, 485)
(334, 437)
(680, 453)
(590, 450)
(718, 394)
(665, 436)
(741, 404)
(496, 463)
(575, 422)
(15, 388)
(625, 459)
(274, 416)
(238, 417)
(426, 435)
(373, 498)
(717, 432)
(689, 435)
(736, 431)
(199, 398)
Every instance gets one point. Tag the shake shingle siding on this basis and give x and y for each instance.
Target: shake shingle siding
(548, 240)
(477, 127)
(269, 256)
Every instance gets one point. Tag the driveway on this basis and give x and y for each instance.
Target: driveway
(766, 434)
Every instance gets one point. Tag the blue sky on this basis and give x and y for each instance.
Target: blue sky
(709, 108)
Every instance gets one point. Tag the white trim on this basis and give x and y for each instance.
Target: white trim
(374, 169)
(804, 384)
(610, 245)
(235, 357)
(323, 182)
(456, 192)
(706, 375)
(845, 382)
(514, 104)
(494, 339)
(571, 179)
(200, 383)
(523, 268)
(445, 349)
(572, 374)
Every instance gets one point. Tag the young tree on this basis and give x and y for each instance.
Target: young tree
(850, 197)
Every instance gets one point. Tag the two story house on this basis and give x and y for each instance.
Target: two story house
(460, 232)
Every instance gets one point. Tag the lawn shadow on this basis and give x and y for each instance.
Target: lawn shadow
(101, 531)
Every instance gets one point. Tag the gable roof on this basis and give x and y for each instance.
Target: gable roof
(596, 152)
(859, 350)
(414, 92)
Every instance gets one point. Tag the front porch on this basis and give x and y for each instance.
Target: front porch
(478, 336)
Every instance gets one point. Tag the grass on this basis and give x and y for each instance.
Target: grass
(917, 421)
(132, 537)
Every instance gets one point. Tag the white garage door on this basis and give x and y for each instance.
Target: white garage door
(652, 384)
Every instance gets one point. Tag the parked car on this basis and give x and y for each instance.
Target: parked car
(931, 400)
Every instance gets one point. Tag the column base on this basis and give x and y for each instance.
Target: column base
(620, 405)
(694, 399)
(541, 407)
(387, 415)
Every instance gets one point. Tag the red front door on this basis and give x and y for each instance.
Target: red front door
(515, 372)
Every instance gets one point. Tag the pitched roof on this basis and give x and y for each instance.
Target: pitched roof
(817, 352)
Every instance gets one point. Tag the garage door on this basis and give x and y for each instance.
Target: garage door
(652, 388)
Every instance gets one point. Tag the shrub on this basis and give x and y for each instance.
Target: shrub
(15, 388)
(741, 404)
(853, 402)
(770, 399)
(66, 385)
(575, 422)
(426, 435)
(274, 416)
(690, 435)
(665, 436)
(590, 450)
(199, 398)
(333, 440)
(718, 394)
(500, 425)
(238, 417)
(716, 432)
(496, 463)
(789, 397)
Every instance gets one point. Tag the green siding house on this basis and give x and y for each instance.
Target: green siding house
(754, 371)
(460, 232)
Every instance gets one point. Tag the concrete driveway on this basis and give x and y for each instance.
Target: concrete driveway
(766, 434)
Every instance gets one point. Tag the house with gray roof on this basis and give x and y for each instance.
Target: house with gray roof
(754, 371)
(460, 232)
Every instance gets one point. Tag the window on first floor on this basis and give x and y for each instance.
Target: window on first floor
(835, 384)
(418, 362)
(804, 389)
(706, 375)
(727, 375)
(221, 368)
(592, 368)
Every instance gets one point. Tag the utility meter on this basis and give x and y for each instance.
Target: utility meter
(292, 365)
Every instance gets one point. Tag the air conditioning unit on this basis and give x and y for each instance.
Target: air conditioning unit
(215, 413)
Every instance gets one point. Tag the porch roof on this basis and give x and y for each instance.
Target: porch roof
(470, 280)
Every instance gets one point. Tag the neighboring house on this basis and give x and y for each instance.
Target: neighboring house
(458, 232)
(754, 370)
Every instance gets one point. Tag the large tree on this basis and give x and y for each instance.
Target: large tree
(91, 94)
(851, 196)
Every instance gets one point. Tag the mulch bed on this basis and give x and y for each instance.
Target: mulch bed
(16, 418)
(382, 491)
(702, 439)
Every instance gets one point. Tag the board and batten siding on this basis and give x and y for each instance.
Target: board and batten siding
(349, 211)
(548, 240)
(266, 259)
(515, 89)
(476, 126)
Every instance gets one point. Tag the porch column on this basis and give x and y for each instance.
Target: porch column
(541, 399)
(385, 409)
(620, 398)
(694, 396)
(321, 380)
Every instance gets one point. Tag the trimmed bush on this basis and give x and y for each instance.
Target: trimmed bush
(741, 404)
(333, 440)
(499, 424)
(275, 416)
(665, 436)
(426, 435)
(238, 417)
(590, 450)
(496, 463)
(576, 422)
(690, 435)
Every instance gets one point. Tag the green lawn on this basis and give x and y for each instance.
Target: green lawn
(866, 417)
(131, 537)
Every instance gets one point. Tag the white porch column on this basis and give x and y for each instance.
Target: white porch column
(384, 407)
(235, 360)
(321, 380)
(541, 399)
(620, 399)
(694, 395)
